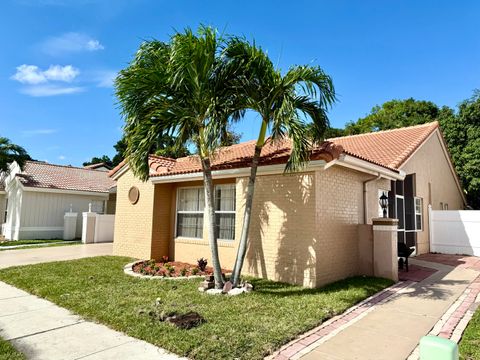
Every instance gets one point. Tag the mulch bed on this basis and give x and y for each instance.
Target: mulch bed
(169, 269)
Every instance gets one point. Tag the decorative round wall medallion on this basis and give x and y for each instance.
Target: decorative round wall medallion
(133, 195)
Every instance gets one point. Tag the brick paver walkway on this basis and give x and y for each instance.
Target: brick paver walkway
(436, 297)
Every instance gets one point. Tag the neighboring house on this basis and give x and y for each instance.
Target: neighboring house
(98, 166)
(35, 200)
(305, 226)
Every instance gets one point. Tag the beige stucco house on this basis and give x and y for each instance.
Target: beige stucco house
(305, 226)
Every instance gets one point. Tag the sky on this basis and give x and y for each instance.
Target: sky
(58, 58)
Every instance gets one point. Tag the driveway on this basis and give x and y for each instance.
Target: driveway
(56, 253)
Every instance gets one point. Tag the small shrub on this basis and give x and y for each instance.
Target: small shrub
(202, 264)
(170, 268)
(183, 271)
(164, 259)
(194, 271)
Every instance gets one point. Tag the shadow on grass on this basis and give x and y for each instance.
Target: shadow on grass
(354, 283)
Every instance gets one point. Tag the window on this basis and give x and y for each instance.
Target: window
(418, 214)
(225, 211)
(190, 208)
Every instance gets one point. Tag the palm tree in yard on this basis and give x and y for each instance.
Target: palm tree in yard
(9, 153)
(292, 105)
(179, 88)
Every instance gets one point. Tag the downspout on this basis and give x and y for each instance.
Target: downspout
(365, 202)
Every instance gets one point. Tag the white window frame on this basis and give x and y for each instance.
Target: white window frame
(187, 212)
(418, 213)
(230, 185)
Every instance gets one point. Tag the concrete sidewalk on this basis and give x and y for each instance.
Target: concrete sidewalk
(55, 253)
(393, 329)
(42, 330)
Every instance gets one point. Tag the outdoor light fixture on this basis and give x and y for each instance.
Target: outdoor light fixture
(384, 203)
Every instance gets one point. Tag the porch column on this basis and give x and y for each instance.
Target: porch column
(385, 260)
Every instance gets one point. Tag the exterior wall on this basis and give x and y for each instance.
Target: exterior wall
(133, 222)
(339, 199)
(304, 227)
(282, 240)
(10, 229)
(435, 183)
(42, 213)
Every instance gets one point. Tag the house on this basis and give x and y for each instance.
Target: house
(35, 199)
(305, 225)
(98, 166)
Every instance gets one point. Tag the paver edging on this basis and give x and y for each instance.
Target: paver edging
(311, 339)
(454, 321)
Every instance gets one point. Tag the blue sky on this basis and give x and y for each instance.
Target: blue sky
(58, 58)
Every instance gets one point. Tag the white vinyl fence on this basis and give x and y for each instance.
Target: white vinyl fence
(455, 231)
(104, 225)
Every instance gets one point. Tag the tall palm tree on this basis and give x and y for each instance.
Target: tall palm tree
(179, 88)
(9, 153)
(293, 105)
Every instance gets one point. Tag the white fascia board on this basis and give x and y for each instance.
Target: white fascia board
(120, 172)
(354, 163)
(234, 173)
(62, 191)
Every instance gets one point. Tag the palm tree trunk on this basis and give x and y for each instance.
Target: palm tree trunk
(242, 246)
(212, 234)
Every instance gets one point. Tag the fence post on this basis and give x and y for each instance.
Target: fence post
(430, 227)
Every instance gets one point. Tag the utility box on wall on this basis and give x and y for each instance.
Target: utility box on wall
(69, 225)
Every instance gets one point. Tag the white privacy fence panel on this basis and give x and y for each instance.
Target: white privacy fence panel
(455, 232)
(104, 226)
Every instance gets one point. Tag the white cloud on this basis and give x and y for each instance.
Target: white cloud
(29, 74)
(62, 157)
(61, 73)
(32, 74)
(39, 132)
(71, 42)
(93, 45)
(50, 90)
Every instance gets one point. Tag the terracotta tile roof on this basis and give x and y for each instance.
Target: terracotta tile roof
(43, 175)
(239, 156)
(390, 148)
(385, 148)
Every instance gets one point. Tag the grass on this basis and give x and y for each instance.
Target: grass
(32, 244)
(245, 327)
(8, 352)
(27, 242)
(470, 344)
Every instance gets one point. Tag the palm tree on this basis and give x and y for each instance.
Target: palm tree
(9, 153)
(179, 88)
(293, 105)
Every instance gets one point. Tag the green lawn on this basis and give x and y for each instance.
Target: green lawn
(32, 244)
(245, 327)
(8, 352)
(27, 242)
(470, 344)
